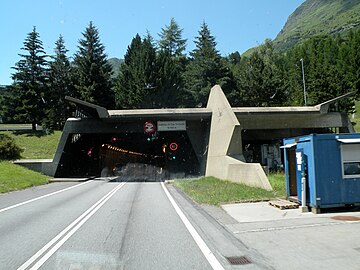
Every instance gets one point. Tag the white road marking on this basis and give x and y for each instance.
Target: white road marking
(210, 257)
(42, 197)
(63, 236)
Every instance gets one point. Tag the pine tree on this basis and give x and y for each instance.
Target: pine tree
(135, 86)
(171, 40)
(26, 98)
(206, 68)
(171, 62)
(93, 72)
(61, 85)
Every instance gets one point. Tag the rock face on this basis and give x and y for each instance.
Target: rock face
(316, 17)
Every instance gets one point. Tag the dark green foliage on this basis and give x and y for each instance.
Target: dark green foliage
(92, 71)
(26, 98)
(171, 40)
(260, 78)
(61, 85)
(135, 84)
(171, 64)
(8, 149)
(330, 70)
(205, 69)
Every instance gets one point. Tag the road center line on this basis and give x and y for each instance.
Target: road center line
(210, 257)
(42, 197)
(63, 236)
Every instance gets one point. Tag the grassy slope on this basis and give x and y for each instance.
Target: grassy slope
(15, 177)
(315, 17)
(210, 190)
(36, 145)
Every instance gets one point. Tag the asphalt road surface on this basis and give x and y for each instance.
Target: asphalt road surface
(112, 225)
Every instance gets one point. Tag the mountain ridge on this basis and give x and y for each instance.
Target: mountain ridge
(318, 17)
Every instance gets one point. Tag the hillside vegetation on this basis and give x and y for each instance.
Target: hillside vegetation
(319, 17)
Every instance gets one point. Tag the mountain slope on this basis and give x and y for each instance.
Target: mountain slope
(315, 17)
(115, 64)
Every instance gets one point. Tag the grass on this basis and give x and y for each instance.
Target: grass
(210, 190)
(36, 144)
(15, 177)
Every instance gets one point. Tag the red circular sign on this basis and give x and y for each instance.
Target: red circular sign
(173, 146)
(149, 127)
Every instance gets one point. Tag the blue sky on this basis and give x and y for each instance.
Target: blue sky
(236, 24)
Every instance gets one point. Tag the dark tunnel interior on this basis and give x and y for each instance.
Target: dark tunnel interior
(130, 156)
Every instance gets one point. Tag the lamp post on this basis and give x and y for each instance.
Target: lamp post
(303, 77)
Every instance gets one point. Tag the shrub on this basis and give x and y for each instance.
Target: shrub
(8, 149)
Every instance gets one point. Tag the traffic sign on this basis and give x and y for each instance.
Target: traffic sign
(149, 127)
(173, 146)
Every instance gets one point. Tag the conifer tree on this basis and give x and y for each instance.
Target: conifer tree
(262, 80)
(206, 68)
(171, 62)
(26, 99)
(61, 85)
(135, 86)
(171, 40)
(93, 72)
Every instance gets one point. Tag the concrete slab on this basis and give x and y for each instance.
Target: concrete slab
(262, 211)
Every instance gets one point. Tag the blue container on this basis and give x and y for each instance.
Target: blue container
(331, 163)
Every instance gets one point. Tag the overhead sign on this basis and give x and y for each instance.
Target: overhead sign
(149, 127)
(171, 125)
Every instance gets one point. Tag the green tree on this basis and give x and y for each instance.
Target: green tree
(136, 84)
(93, 72)
(171, 40)
(260, 78)
(205, 69)
(327, 71)
(171, 63)
(26, 98)
(61, 85)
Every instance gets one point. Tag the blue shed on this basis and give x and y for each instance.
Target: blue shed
(331, 163)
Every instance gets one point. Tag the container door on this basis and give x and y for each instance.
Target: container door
(292, 171)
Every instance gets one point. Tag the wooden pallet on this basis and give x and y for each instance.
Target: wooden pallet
(283, 204)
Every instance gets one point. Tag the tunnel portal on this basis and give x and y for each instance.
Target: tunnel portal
(130, 155)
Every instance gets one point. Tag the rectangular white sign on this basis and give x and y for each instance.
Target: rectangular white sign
(171, 125)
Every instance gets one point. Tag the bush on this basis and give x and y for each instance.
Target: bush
(8, 149)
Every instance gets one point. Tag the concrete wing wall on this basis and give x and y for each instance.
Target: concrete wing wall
(225, 158)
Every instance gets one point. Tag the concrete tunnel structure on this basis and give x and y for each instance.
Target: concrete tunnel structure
(218, 140)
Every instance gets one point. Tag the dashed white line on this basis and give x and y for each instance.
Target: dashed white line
(210, 257)
(42, 197)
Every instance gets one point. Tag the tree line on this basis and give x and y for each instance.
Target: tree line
(159, 74)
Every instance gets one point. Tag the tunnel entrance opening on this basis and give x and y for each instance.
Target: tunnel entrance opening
(130, 156)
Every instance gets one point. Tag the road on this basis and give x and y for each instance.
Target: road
(112, 225)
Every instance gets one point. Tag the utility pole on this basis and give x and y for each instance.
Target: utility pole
(303, 77)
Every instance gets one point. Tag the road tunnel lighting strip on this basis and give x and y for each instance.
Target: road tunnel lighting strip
(63, 236)
(210, 257)
(42, 197)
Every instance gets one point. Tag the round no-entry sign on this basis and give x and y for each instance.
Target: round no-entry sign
(149, 127)
(173, 146)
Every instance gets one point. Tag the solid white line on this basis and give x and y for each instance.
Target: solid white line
(215, 264)
(73, 227)
(42, 197)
